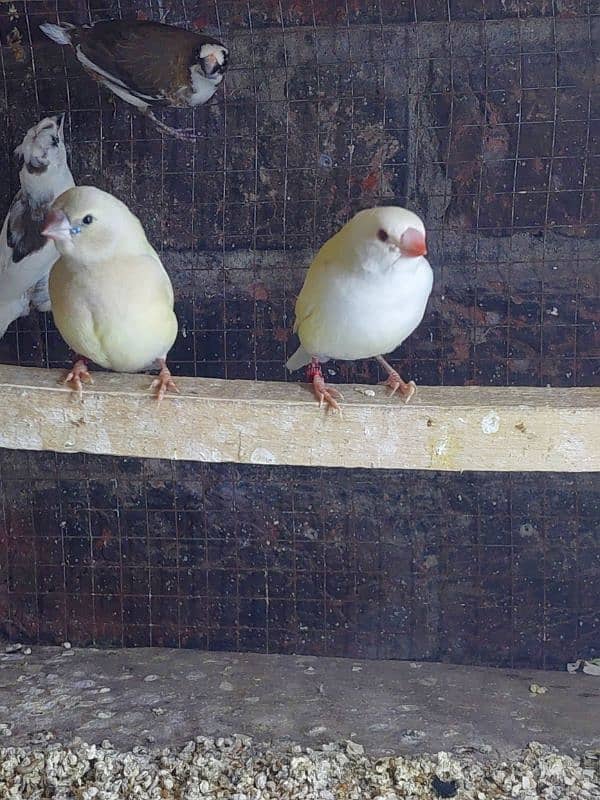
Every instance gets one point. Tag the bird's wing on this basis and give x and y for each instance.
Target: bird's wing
(139, 57)
(23, 235)
(308, 298)
(164, 287)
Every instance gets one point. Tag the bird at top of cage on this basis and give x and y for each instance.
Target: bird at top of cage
(365, 292)
(26, 256)
(148, 63)
(112, 299)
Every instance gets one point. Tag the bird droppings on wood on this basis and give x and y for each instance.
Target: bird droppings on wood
(490, 423)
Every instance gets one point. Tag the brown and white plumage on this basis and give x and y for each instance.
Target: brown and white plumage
(25, 255)
(147, 63)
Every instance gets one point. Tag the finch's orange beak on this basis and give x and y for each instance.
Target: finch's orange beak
(413, 243)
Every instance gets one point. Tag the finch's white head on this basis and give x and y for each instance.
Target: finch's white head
(89, 225)
(387, 235)
(43, 147)
(211, 59)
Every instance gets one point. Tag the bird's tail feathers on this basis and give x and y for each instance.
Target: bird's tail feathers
(58, 33)
(12, 310)
(300, 359)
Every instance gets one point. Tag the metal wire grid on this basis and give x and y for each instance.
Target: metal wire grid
(243, 278)
(328, 562)
(254, 586)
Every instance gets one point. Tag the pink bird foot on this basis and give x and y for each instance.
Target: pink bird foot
(79, 375)
(323, 393)
(164, 382)
(395, 382)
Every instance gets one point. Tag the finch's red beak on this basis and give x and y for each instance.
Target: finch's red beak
(56, 225)
(413, 243)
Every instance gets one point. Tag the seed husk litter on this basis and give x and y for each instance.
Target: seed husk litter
(236, 768)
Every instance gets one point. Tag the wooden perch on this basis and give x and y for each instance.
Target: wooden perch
(443, 428)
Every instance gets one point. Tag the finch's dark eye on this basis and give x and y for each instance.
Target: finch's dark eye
(382, 235)
(88, 219)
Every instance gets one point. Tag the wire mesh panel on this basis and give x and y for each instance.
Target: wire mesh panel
(484, 569)
(482, 116)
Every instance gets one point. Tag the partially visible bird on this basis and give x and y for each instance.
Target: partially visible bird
(112, 300)
(364, 294)
(147, 63)
(25, 255)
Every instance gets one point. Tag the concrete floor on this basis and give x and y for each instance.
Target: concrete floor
(169, 696)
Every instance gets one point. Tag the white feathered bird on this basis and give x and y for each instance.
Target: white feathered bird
(26, 256)
(364, 294)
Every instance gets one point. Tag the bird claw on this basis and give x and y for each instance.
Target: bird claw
(163, 383)
(78, 375)
(184, 135)
(395, 382)
(327, 394)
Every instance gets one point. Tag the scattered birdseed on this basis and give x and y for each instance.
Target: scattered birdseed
(536, 689)
(41, 737)
(411, 736)
(354, 748)
(235, 768)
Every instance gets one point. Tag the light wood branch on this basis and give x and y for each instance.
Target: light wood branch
(443, 428)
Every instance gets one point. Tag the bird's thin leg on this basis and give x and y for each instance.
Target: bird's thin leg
(395, 382)
(182, 135)
(164, 382)
(78, 375)
(323, 393)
